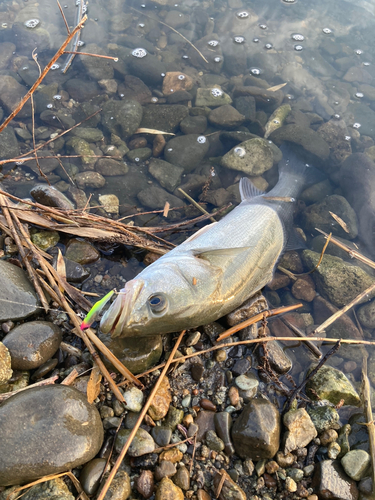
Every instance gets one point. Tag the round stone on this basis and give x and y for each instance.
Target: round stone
(46, 430)
(32, 344)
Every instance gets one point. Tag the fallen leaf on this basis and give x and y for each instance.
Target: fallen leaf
(277, 87)
(152, 131)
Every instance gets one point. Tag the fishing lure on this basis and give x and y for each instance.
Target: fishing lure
(96, 309)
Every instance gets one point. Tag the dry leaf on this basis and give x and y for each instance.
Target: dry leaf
(339, 221)
(61, 269)
(277, 87)
(93, 386)
(166, 209)
(152, 131)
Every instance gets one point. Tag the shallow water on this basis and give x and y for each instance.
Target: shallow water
(324, 53)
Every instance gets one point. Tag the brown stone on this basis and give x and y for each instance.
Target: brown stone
(331, 483)
(167, 490)
(205, 422)
(203, 495)
(172, 455)
(206, 404)
(145, 484)
(280, 280)
(175, 81)
(230, 490)
(269, 481)
(160, 404)
(158, 145)
(234, 396)
(304, 289)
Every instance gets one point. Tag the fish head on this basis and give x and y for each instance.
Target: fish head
(164, 298)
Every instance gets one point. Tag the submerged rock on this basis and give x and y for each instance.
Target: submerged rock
(310, 140)
(66, 432)
(122, 117)
(186, 151)
(51, 197)
(331, 384)
(81, 251)
(168, 175)
(254, 157)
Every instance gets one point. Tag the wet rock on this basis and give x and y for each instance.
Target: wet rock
(81, 251)
(226, 117)
(212, 53)
(173, 455)
(148, 68)
(175, 81)
(57, 118)
(136, 356)
(356, 463)
(11, 93)
(161, 435)
(304, 289)
(331, 482)
(336, 280)
(160, 404)
(110, 167)
(168, 175)
(122, 117)
(89, 134)
(7, 49)
(164, 117)
(334, 132)
(55, 489)
(197, 371)
(18, 298)
(223, 424)
(120, 488)
(230, 490)
(47, 165)
(254, 157)
(217, 197)
(50, 197)
(256, 432)
(155, 198)
(205, 422)
(262, 96)
(145, 484)
(174, 417)
(248, 385)
(317, 192)
(95, 67)
(214, 442)
(318, 216)
(186, 151)
(331, 384)
(54, 443)
(32, 344)
(193, 125)
(109, 85)
(90, 475)
(75, 273)
(139, 155)
(165, 469)
(323, 417)
(300, 431)
(167, 490)
(5, 365)
(141, 444)
(134, 399)
(89, 179)
(310, 140)
(211, 97)
(110, 203)
(82, 90)
(8, 144)
(45, 239)
(182, 478)
(278, 359)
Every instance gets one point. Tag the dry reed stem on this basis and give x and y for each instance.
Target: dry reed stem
(47, 381)
(342, 311)
(70, 378)
(115, 59)
(112, 358)
(63, 16)
(256, 341)
(199, 207)
(42, 76)
(30, 270)
(258, 317)
(366, 394)
(139, 421)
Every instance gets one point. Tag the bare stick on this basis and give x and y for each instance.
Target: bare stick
(112, 358)
(63, 16)
(316, 352)
(115, 59)
(258, 317)
(199, 207)
(70, 378)
(139, 421)
(342, 311)
(44, 72)
(47, 381)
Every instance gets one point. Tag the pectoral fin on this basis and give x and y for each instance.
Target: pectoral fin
(211, 254)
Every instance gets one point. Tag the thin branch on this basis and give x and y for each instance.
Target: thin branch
(63, 16)
(42, 76)
(115, 59)
(199, 207)
(125, 448)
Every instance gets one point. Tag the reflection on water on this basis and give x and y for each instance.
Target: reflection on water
(216, 77)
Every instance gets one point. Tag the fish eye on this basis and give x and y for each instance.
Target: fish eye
(157, 303)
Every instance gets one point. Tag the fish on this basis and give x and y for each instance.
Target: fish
(216, 269)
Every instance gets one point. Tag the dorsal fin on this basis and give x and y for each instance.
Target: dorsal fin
(248, 191)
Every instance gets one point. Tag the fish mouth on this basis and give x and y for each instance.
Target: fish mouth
(117, 316)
